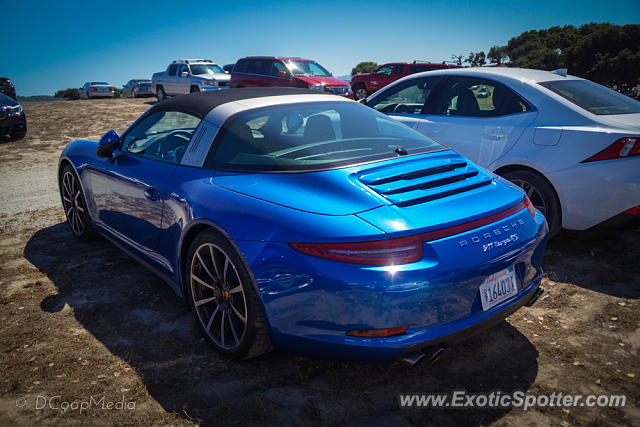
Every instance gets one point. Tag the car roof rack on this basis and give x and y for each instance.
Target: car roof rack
(415, 61)
(190, 61)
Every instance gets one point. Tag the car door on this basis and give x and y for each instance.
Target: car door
(480, 118)
(170, 79)
(182, 84)
(128, 191)
(405, 102)
(278, 74)
(381, 77)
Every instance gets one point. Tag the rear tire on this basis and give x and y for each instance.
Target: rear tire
(133, 93)
(359, 92)
(542, 196)
(161, 94)
(223, 298)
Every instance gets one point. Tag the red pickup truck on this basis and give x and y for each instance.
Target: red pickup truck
(364, 85)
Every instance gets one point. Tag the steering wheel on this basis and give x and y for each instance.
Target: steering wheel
(168, 147)
(403, 108)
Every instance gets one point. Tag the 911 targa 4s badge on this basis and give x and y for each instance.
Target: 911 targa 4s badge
(308, 223)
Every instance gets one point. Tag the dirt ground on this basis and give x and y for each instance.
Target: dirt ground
(82, 320)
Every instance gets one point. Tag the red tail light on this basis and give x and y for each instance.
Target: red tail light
(93, 89)
(529, 206)
(112, 89)
(378, 333)
(624, 147)
(400, 250)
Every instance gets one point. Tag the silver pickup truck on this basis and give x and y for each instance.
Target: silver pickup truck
(189, 75)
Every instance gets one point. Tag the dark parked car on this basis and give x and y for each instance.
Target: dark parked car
(7, 87)
(12, 118)
(137, 88)
(228, 68)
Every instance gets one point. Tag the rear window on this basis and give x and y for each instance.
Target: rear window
(420, 68)
(311, 136)
(593, 97)
(99, 83)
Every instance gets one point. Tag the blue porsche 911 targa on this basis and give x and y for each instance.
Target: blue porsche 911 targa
(309, 223)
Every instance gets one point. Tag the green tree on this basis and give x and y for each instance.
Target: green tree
(497, 55)
(70, 93)
(477, 59)
(605, 53)
(364, 67)
(457, 58)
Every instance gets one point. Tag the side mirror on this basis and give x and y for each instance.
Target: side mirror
(363, 101)
(283, 74)
(107, 144)
(184, 74)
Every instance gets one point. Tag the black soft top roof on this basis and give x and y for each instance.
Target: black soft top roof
(202, 102)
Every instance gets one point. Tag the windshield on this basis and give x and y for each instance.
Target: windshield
(199, 69)
(98, 83)
(318, 135)
(593, 97)
(307, 69)
(143, 81)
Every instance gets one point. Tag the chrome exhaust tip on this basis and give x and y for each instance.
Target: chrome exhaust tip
(417, 356)
(413, 358)
(439, 351)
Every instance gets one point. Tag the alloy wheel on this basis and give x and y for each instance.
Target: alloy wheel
(73, 203)
(218, 296)
(534, 194)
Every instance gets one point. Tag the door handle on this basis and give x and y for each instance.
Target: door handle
(495, 134)
(152, 193)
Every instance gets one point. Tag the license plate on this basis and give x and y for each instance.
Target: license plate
(498, 287)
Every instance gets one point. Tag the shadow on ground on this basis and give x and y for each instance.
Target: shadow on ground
(139, 319)
(603, 259)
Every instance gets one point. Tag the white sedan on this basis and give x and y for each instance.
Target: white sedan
(571, 144)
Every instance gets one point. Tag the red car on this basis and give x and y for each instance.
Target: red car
(364, 85)
(290, 72)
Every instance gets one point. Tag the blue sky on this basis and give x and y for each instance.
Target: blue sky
(55, 45)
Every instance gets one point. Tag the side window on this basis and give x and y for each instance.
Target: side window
(472, 97)
(408, 98)
(276, 67)
(162, 136)
(183, 68)
(398, 69)
(384, 71)
(172, 69)
(240, 67)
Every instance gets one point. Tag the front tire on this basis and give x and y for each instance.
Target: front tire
(359, 92)
(75, 205)
(542, 196)
(133, 93)
(194, 89)
(223, 298)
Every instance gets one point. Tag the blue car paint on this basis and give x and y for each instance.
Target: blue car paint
(310, 302)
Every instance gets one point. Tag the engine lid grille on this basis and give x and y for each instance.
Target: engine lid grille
(425, 179)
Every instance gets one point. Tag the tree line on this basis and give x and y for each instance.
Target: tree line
(605, 53)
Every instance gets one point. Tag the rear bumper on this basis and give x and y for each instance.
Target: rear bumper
(311, 303)
(101, 94)
(591, 193)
